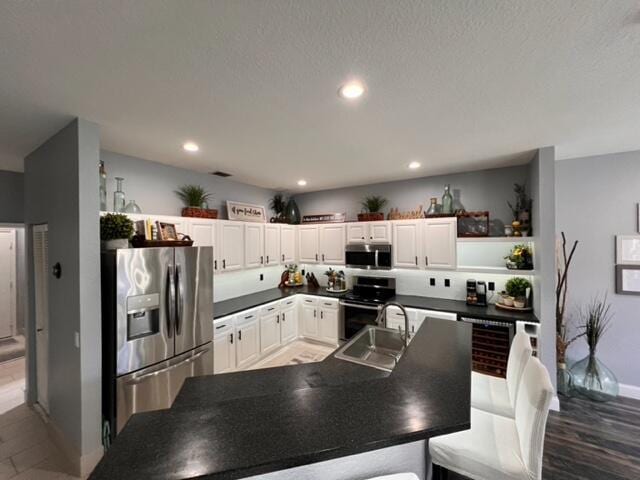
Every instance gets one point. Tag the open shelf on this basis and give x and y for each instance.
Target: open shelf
(499, 270)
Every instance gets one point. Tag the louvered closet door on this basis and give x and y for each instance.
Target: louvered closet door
(41, 283)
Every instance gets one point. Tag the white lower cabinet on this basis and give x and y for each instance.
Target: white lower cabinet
(224, 349)
(319, 319)
(309, 317)
(247, 338)
(288, 320)
(269, 328)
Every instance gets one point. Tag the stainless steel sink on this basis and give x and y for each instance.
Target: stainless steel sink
(375, 347)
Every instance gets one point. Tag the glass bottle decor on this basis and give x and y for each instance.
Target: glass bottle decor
(132, 207)
(447, 200)
(118, 196)
(591, 378)
(103, 186)
(433, 207)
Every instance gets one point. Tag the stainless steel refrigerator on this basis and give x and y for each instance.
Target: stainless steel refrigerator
(157, 306)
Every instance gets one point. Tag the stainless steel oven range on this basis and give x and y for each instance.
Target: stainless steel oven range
(361, 305)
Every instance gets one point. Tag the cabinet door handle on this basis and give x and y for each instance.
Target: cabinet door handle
(416, 259)
(261, 260)
(283, 319)
(239, 335)
(267, 259)
(231, 338)
(314, 312)
(224, 263)
(321, 314)
(278, 319)
(283, 257)
(221, 326)
(426, 260)
(215, 264)
(363, 238)
(323, 257)
(316, 257)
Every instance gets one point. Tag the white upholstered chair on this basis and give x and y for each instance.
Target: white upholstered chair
(497, 395)
(498, 447)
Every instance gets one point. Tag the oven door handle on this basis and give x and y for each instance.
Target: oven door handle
(358, 305)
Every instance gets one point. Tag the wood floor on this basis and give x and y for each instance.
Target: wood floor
(591, 441)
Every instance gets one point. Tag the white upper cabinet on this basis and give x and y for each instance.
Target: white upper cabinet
(271, 244)
(369, 232)
(406, 243)
(203, 234)
(288, 243)
(308, 243)
(231, 241)
(253, 245)
(357, 232)
(332, 242)
(380, 232)
(439, 242)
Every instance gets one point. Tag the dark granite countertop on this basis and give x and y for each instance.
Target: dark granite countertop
(250, 423)
(238, 304)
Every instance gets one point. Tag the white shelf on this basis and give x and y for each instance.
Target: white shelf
(498, 270)
(495, 239)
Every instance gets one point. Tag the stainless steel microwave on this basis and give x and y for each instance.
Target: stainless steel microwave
(369, 256)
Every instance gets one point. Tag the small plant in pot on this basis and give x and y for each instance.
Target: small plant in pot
(517, 289)
(195, 199)
(372, 208)
(278, 204)
(115, 231)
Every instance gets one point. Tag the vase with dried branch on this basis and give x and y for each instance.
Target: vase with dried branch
(563, 336)
(590, 377)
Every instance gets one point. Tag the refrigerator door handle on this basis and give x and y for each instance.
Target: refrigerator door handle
(170, 301)
(179, 300)
(144, 377)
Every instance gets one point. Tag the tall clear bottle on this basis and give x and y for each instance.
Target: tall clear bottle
(118, 196)
(447, 200)
(103, 186)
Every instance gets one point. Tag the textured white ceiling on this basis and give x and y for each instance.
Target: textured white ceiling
(458, 84)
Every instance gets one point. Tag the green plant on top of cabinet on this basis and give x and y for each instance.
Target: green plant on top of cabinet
(372, 208)
(115, 230)
(195, 200)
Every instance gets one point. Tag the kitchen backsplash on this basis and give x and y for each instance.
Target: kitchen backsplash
(410, 282)
(235, 284)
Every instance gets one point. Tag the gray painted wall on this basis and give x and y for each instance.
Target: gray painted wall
(152, 185)
(542, 188)
(597, 200)
(61, 189)
(480, 190)
(11, 197)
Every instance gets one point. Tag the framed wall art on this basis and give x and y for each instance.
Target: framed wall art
(628, 249)
(246, 212)
(628, 279)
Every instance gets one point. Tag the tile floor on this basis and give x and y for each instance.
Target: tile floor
(299, 351)
(26, 452)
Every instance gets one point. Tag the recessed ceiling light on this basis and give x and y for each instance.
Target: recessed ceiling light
(351, 90)
(414, 165)
(302, 183)
(190, 147)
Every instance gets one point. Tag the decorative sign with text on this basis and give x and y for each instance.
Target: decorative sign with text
(325, 218)
(245, 212)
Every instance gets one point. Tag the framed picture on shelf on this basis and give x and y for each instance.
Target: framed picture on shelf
(167, 231)
(246, 212)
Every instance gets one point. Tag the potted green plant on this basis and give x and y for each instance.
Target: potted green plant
(520, 258)
(516, 288)
(115, 231)
(278, 204)
(195, 199)
(590, 377)
(372, 208)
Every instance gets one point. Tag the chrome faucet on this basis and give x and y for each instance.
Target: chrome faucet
(405, 337)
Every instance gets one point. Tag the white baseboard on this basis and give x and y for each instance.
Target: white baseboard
(555, 404)
(79, 465)
(629, 391)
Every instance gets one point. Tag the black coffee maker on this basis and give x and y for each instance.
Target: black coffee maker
(476, 293)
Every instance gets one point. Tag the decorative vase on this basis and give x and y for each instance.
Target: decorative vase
(118, 196)
(132, 207)
(447, 200)
(293, 212)
(592, 378)
(115, 244)
(565, 380)
(433, 207)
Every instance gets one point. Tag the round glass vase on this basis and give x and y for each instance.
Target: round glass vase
(592, 379)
